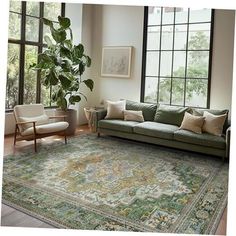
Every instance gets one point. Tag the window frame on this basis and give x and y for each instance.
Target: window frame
(144, 56)
(22, 42)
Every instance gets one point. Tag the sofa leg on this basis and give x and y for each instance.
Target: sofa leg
(98, 134)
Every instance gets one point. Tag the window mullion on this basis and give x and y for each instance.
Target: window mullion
(159, 66)
(40, 49)
(186, 59)
(22, 55)
(172, 66)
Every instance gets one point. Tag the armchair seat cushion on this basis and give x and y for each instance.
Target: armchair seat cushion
(155, 129)
(46, 128)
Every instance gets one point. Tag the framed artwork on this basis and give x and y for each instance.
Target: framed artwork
(116, 61)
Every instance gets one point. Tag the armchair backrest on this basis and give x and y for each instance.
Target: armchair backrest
(31, 112)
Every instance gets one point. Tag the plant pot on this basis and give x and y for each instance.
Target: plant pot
(71, 118)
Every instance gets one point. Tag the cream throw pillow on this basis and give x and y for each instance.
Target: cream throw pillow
(133, 115)
(213, 123)
(115, 110)
(192, 123)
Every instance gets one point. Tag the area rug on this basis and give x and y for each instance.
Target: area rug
(108, 183)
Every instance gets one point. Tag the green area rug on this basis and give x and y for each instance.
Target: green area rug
(113, 184)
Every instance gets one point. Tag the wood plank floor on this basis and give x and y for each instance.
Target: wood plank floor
(13, 217)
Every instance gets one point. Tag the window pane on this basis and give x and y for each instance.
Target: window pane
(164, 90)
(180, 37)
(15, 6)
(52, 10)
(152, 63)
(198, 64)
(45, 96)
(178, 92)
(179, 64)
(168, 15)
(196, 92)
(153, 38)
(154, 15)
(12, 75)
(30, 79)
(200, 15)
(32, 8)
(166, 63)
(14, 26)
(32, 29)
(151, 84)
(181, 15)
(199, 36)
(167, 38)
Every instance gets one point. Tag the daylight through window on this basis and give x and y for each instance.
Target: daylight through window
(26, 32)
(177, 55)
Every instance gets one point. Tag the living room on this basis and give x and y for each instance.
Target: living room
(99, 26)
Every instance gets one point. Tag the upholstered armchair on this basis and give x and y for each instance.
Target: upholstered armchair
(32, 123)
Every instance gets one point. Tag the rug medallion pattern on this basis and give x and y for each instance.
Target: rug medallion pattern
(112, 184)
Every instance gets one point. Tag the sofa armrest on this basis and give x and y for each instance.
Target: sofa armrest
(95, 117)
(228, 131)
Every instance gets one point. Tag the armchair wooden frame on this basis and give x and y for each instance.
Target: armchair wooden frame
(35, 136)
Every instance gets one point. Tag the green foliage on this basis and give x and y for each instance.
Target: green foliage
(63, 64)
(197, 68)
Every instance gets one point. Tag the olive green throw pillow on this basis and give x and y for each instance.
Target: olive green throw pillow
(170, 114)
(148, 109)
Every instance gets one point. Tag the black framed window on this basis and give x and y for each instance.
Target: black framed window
(177, 53)
(25, 41)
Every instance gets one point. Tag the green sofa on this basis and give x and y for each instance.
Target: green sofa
(161, 130)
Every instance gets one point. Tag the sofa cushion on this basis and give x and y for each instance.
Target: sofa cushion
(199, 112)
(133, 115)
(115, 110)
(154, 129)
(203, 139)
(120, 125)
(148, 109)
(213, 124)
(170, 114)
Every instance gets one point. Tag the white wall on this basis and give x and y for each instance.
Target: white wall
(222, 61)
(117, 26)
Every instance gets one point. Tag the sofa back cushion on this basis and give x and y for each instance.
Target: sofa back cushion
(170, 114)
(148, 109)
(199, 112)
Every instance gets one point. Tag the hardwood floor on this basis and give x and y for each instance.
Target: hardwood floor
(13, 217)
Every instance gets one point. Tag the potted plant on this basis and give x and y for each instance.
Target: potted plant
(62, 65)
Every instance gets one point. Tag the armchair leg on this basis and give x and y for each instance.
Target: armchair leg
(65, 137)
(98, 134)
(15, 135)
(35, 145)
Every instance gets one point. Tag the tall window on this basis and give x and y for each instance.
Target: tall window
(26, 32)
(177, 56)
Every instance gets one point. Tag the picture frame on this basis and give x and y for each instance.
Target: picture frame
(116, 61)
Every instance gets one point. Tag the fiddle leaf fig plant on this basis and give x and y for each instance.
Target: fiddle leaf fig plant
(62, 64)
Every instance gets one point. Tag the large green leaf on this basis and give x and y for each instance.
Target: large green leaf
(74, 98)
(65, 82)
(65, 52)
(64, 22)
(89, 83)
(47, 22)
(53, 80)
(45, 62)
(78, 52)
(58, 35)
(81, 68)
(68, 44)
